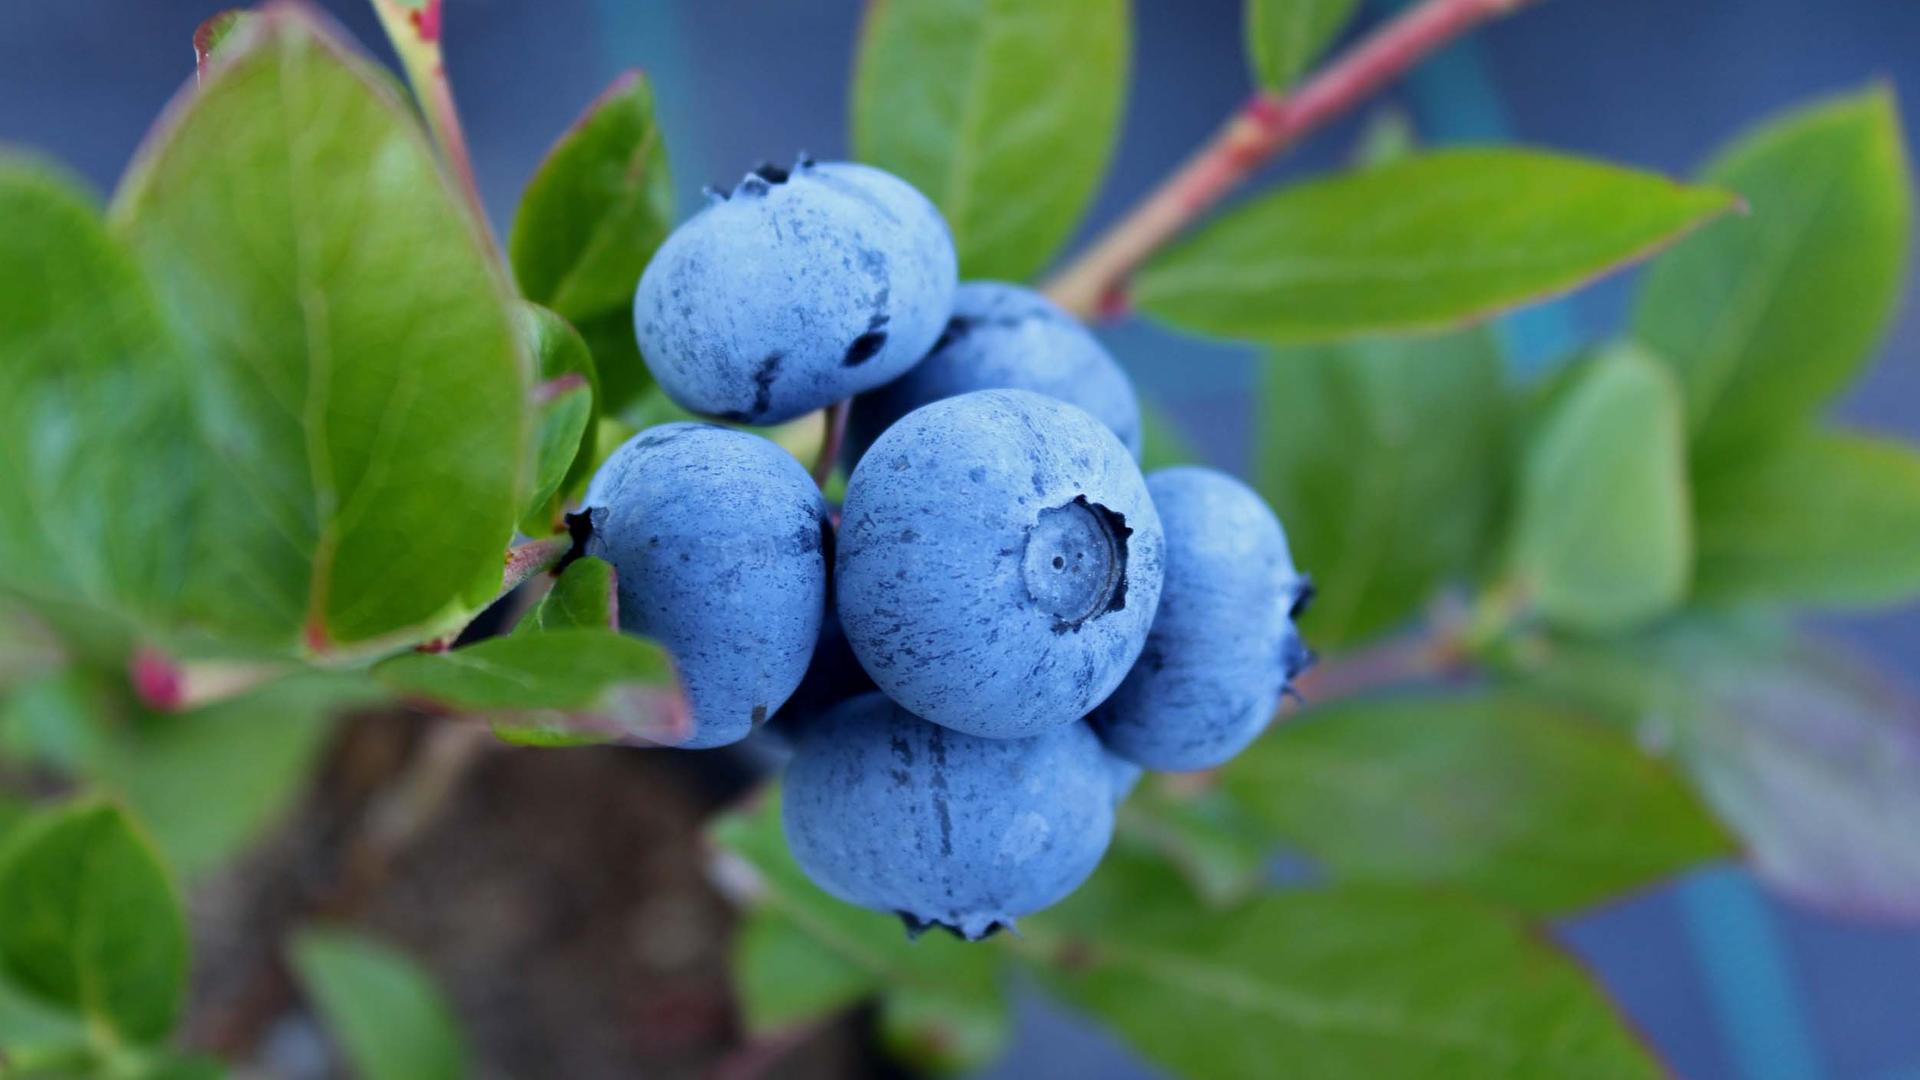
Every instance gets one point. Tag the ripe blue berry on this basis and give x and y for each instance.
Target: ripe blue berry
(802, 288)
(999, 562)
(718, 540)
(1223, 647)
(1005, 337)
(887, 811)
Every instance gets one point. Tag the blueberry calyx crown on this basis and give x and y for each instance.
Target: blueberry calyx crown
(1075, 567)
(764, 178)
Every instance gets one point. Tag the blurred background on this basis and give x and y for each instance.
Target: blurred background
(1726, 981)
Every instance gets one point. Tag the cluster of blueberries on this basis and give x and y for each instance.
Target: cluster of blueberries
(1009, 621)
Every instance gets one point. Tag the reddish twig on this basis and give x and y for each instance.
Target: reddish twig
(830, 446)
(1266, 125)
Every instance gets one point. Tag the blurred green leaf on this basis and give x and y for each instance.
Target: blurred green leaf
(1003, 112)
(1431, 241)
(1386, 461)
(90, 921)
(1347, 982)
(582, 597)
(95, 505)
(1825, 517)
(387, 1014)
(1603, 536)
(589, 221)
(58, 721)
(1513, 799)
(802, 955)
(208, 782)
(30, 1028)
(1764, 316)
(568, 401)
(1222, 851)
(211, 37)
(1812, 760)
(359, 384)
(561, 687)
(1285, 36)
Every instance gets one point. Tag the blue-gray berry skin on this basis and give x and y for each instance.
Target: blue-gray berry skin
(718, 540)
(800, 289)
(999, 562)
(1007, 337)
(1223, 646)
(887, 811)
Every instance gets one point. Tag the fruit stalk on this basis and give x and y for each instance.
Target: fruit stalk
(415, 30)
(836, 437)
(1269, 123)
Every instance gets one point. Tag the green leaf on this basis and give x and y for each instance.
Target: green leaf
(1284, 36)
(1385, 460)
(568, 400)
(1535, 806)
(802, 955)
(1004, 113)
(89, 921)
(207, 783)
(1812, 760)
(1765, 316)
(1432, 241)
(1603, 536)
(1347, 982)
(1222, 851)
(211, 37)
(90, 406)
(582, 597)
(32, 1029)
(1827, 518)
(387, 1015)
(589, 221)
(358, 378)
(559, 687)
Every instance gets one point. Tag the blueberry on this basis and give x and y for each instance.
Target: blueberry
(802, 288)
(719, 541)
(887, 811)
(999, 562)
(1005, 337)
(1223, 647)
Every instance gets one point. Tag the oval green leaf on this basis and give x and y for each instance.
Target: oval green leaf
(1829, 518)
(1431, 241)
(1003, 112)
(387, 1015)
(358, 379)
(1765, 316)
(90, 921)
(567, 400)
(1284, 36)
(1603, 536)
(1531, 805)
(1385, 459)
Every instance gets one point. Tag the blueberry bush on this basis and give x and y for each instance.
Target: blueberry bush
(835, 466)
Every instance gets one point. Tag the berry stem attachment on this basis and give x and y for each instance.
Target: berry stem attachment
(836, 436)
(414, 27)
(1269, 123)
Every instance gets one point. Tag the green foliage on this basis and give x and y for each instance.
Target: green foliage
(358, 389)
(1338, 983)
(1603, 536)
(1431, 241)
(1284, 36)
(1830, 518)
(90, 922)
(212, 36)
(589, 221)
(1811, 760)
(1003, 112)
(1767, 314)
(1386, 460)
(568, 403)
(582, 596)
(803, 955)
(387, 1015)
(1512, 798)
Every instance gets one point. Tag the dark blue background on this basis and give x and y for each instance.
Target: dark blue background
(1726, 981)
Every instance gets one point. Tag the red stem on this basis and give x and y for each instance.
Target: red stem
(1266, 125)
(835, 438)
